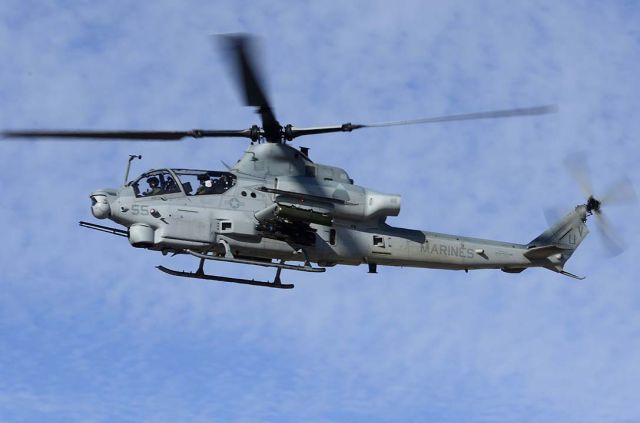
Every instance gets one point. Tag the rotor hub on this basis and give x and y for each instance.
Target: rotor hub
(593, 205)
(255, 133)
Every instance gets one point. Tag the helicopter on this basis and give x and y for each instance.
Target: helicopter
(277, 208)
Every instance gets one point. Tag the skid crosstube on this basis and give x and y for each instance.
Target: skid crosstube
(231, 259)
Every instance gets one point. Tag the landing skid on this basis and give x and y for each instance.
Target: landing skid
(277, 283)
(229, 257)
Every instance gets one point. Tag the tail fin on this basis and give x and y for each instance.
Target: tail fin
(557, 244)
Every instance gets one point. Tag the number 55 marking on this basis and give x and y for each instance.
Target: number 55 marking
(142, 210)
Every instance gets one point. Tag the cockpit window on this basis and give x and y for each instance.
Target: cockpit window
(342, 176)
(157, 182)
(203, 182)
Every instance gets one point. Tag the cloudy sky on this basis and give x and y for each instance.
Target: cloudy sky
(90, 331)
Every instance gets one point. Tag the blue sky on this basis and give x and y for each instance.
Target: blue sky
(90, 331)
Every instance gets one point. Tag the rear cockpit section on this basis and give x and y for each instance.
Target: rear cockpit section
(205, 182)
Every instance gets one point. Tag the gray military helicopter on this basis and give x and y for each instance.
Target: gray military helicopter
(277, 208)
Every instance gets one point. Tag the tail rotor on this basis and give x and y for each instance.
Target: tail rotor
(620, 193)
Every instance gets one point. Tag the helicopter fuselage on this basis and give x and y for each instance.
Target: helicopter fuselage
(279, 205)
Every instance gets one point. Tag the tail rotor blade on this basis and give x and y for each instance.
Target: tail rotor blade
(611, 241)
(621, 192)
(579, 168)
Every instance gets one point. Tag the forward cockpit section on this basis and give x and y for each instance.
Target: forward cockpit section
(182, 181)
(155, 182)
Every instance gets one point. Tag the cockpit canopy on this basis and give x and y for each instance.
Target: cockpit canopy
(185, 181)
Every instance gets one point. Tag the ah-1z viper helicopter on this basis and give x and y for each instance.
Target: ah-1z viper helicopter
(275, 205)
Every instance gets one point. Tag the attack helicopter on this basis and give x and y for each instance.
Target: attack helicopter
(277, 208)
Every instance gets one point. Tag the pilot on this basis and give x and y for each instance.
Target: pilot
(226, 182)
(205, 185)
(154, 188)
(170, 186)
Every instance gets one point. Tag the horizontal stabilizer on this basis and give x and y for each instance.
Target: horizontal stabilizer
(544, 252)
(571, 275)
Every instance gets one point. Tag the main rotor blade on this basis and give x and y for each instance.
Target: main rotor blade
(241, 50)
(291, 132)
(127, 135)
(578, 167)
(527, 111)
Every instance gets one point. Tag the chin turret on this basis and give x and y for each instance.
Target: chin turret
(101, 204)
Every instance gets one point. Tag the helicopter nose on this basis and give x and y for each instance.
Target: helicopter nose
(100, 207)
